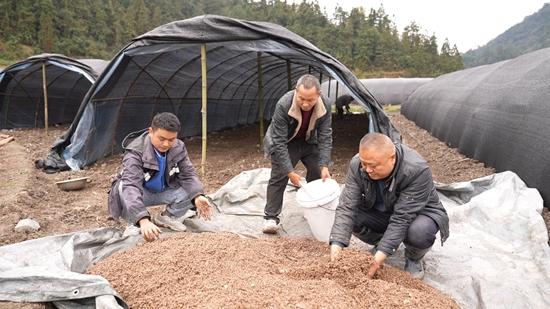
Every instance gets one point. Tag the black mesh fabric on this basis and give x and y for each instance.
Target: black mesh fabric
(22, 101)
(497, 114)
(161, 71)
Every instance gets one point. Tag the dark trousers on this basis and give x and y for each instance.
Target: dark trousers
(340, 112)
(370, 226)
(298, 150)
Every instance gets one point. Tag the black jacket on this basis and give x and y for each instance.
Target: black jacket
(409, 191)
(286, 122)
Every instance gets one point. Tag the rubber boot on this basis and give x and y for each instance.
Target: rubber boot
(413, 261)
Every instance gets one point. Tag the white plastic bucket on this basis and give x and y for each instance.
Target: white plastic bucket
(319, 200)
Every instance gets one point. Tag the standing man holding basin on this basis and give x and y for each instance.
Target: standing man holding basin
(300, 130)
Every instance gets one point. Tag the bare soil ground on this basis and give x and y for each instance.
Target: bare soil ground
(26, 192)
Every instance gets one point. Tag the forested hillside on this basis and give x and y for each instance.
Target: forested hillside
(365, 39)
(531, 34)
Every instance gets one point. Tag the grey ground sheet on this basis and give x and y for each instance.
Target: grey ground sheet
(496, 257)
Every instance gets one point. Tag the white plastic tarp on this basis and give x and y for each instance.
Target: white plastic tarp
(497, 255)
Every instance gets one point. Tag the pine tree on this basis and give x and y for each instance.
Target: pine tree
(46, 11)
(26, 25)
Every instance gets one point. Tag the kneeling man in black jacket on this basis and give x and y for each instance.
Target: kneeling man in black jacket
(389, 198)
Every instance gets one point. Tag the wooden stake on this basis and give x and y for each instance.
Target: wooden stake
(204, 105)
(7, 140)
(288, 76)
(44, 86)
(260, 100)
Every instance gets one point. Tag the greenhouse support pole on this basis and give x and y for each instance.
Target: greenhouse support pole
(45, 87)
(204, 104)
(261, 100)
(288, 75)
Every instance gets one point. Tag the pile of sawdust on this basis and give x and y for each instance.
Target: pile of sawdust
(223, 270)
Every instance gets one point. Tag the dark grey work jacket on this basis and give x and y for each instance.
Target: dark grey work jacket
(409, 192)
(286, 122)
(139, 160)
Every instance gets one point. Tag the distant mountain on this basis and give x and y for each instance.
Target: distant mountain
(533, 33)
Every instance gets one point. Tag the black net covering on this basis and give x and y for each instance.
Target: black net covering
(249, 66)
(22, 94)
(497, 114)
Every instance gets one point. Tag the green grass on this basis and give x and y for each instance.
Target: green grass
(389, 109)
(358, 109)
(5, 63)
(353, 109)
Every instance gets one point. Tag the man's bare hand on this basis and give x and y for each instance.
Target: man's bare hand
(325, 174)
(379, 258)
(335, 252)
(149, 231)
(294, 178)
(204, 210)
(372, 269)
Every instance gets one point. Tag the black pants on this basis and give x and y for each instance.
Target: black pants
(298, 150)
(370, 226)
(340, 112)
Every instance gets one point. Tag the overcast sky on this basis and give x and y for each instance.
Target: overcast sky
(466, 23)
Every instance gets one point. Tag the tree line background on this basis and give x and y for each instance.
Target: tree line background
(365, 41)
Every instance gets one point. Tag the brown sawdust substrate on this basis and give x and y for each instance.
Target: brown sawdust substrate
(225, 271)
(26, 192)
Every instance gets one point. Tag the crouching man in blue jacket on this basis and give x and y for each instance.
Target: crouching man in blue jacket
(389, 198)
(156, 170)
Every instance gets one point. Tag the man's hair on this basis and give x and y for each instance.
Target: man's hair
(166, 121)
(377, 141)
(309, 81)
